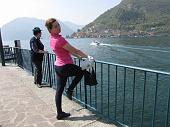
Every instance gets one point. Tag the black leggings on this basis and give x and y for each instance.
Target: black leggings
(63, 72)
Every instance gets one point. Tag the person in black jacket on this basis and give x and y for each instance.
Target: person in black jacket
(37, 53)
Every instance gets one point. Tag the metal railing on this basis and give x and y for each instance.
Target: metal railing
(127, 95)
(8, 54)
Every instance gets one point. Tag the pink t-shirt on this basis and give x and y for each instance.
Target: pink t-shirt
(57, 43)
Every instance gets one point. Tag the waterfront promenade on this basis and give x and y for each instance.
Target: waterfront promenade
(22, 104)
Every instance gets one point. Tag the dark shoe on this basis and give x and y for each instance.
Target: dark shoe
(63, 115)
(69, 94)
(39, 86)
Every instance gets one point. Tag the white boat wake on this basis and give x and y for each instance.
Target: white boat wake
(95, 43)
(135, 48)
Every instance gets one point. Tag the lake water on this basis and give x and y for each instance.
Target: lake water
(147, 52)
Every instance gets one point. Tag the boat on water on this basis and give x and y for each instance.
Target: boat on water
(95, 43)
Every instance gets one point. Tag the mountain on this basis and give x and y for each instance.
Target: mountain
(21, 29)
(73, 26)
(142, 16)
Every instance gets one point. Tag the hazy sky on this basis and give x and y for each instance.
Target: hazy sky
(77, 11)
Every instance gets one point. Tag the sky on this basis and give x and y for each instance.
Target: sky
(80, 12)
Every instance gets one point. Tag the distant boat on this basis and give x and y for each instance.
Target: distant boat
(95, 42)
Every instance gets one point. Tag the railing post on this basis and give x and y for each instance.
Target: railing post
(49, 69)
(168, 108)
(18, 53)
(1, 50)
(15, 54)
(85, 92)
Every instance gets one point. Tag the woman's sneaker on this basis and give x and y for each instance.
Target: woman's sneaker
(39, 86)
(63, 115)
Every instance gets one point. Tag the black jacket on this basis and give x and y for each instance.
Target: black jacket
(35, 45)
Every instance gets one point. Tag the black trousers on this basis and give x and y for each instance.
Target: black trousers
(38, 72)
(63, 72)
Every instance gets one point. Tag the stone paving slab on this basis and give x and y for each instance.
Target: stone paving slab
(22, 104)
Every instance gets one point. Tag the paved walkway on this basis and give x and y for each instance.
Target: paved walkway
(22, 104)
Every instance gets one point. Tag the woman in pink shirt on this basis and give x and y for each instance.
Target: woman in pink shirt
(64, 64)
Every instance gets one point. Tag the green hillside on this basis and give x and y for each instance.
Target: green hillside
(134, 15)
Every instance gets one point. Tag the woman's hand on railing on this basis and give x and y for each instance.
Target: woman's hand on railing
(90, 58)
